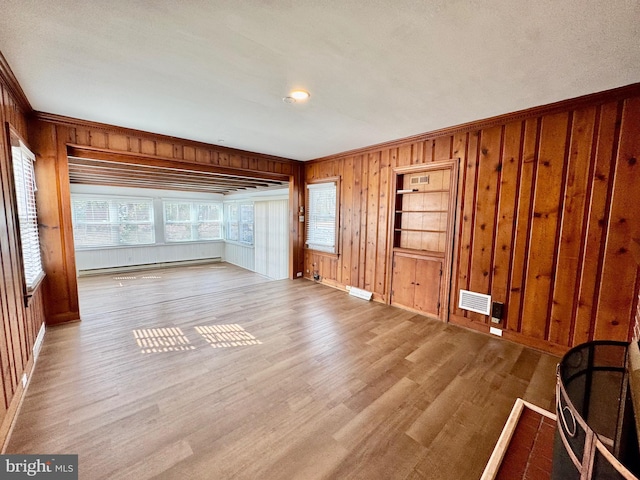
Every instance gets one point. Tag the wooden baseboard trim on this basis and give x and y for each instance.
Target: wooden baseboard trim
(18, 397)
(60, 318)
(519, 338)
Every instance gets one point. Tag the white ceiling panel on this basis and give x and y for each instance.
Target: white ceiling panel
(216, 71)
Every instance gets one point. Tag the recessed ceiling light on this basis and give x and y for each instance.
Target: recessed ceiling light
(299, 94)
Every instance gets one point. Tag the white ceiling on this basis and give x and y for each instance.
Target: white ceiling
(216, 71)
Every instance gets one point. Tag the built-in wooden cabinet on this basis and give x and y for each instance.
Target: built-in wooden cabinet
(416, 283)
(422, 237)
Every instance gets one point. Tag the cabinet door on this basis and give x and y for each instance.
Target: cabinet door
(403, 281)
(427, 286)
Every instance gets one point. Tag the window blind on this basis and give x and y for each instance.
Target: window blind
(192, 221)
(112, 221)
(321, 216)
(25, 187)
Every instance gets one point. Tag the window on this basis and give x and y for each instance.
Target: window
(239, 222)
(192, 221)
(322, 216)
(25, 187)
(112, 221)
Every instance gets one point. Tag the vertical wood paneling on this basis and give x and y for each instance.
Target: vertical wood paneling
(569, 253)
(545, 205)
(364, 206)
(618, 277)
(56, 231)
(595, 213)
(460, 144)
(20, 324)
(509, 168)
(356, 220)
(373, 193)
(346, 216)
(523, 225)
(382, 246)
(468, 205)
(11, 275)
(485, 213)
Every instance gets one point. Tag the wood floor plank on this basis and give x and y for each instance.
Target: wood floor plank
(330, 387)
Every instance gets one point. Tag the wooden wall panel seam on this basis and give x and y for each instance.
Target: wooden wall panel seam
(606, 221)
(559, 223)
(527, 245)
(585, 224)
(496, 211)
(514, 230)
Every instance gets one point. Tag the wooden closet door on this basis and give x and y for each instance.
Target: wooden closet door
(427, 286)
(403, 281)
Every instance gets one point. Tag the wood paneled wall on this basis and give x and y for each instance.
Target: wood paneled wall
(546, 200)
(52, 135)
(20, 325)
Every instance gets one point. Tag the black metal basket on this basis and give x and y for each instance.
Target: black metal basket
(595, 435)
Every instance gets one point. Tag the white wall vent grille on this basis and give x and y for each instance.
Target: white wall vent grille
(476, 302)
(418, 180)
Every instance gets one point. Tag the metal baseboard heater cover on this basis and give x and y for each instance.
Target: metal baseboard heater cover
(358, 292)
(475, 302)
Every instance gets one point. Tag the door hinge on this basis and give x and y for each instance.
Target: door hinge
(440, 272)
(438, 308)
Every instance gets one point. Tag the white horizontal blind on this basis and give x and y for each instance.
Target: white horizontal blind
(112, 221)
(186, 221)
(25, 185)
(321, 216)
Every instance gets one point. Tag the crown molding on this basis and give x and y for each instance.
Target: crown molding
(11, 82)
(105, 127)
(615, 94)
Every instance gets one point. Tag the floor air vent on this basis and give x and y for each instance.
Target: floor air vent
(476, 302)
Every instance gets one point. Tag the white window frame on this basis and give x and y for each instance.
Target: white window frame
(193, 221)
(112, 201)
(318, 237)
(239, 222)
(24, 186)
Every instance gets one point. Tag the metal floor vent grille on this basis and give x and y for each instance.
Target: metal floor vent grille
(475, 302)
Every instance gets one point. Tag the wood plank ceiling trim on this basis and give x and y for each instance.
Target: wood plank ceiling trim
(9, 80)
(62, 120)
(143, 171)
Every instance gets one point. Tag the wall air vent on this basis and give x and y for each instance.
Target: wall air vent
(476, 302)
(421, 179)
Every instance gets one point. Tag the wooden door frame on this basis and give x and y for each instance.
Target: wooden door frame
(452, 164)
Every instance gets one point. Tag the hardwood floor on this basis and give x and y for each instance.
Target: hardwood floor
(319, 385)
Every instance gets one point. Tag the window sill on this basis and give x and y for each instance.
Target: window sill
(147, 245)
(240, 244)
(322, 252)
(33, 289)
